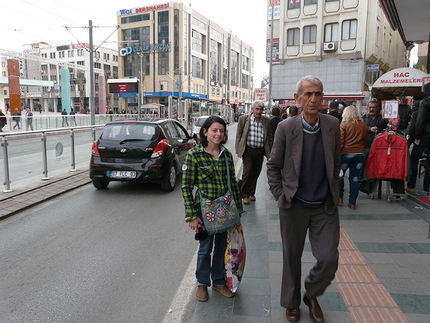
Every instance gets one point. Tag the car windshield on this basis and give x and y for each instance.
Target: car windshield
(200, 121)
(127, 131)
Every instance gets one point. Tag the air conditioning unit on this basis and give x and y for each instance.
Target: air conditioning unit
(163, 86)
(330, 46)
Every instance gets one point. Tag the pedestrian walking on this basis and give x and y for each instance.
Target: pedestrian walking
(65, 123)
(421, 143)
(205, 167)
(303, 176)
(17, 118)
(72, 113)
(28, 119)
(353, 135)
(275, 119)
(3, 120)
(253, 141)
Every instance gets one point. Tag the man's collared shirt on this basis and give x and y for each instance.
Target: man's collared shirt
(256, 133)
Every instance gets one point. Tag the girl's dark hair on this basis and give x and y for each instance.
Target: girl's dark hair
(206, 125)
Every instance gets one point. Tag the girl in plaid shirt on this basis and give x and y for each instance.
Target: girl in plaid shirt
(205, 168)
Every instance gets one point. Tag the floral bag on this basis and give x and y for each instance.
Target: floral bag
(234, 258)
(221, 214)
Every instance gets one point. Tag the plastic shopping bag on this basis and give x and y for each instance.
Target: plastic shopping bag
(235, 256)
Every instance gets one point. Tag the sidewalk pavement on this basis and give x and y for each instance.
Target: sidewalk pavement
(384, 265)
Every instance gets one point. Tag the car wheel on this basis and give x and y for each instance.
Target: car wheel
(170, 182)
(100, 184)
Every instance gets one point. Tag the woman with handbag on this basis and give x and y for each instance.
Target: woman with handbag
(210, 168)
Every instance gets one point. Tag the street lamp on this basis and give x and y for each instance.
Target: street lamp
(140, 96)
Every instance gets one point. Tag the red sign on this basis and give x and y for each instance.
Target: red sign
(261, 94)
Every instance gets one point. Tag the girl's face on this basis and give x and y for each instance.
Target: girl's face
(215, 133)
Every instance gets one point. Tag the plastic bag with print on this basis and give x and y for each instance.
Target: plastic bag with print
(235, 256)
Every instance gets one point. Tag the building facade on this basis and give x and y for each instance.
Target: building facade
(68, 68)
(348, 44)
(185, 62)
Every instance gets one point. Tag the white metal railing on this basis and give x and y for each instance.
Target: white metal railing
(27, 157)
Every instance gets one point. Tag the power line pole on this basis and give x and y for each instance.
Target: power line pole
(92, 100)
(269, 104)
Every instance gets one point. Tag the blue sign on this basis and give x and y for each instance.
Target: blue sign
(127, 95)
(373, 67)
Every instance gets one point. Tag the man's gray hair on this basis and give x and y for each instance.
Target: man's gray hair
(311, 79)
(259, 103)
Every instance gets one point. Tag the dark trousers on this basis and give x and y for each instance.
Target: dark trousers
(252, 163)
(416, 155)
(324, 235)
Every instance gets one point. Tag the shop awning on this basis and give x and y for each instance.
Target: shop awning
(400, 82)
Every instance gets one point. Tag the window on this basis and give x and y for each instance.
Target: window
(127, 20)
(197, 39)
(293, 4)
(309, 2)
(234, 67)
(293, 37)
(214, 58)
(331, 32)
(349, 29)
(163, 27)
(310, 34)
(197, 67)
(163, 63)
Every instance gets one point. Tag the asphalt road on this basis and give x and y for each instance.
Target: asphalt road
(115, 255)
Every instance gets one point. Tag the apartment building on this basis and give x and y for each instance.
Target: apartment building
(179, 55)
(66, 68)
(348, 44)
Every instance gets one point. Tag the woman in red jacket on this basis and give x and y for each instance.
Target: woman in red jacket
(353, 135)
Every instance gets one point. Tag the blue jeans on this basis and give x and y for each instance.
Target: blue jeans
(354, 162)
(204, 269)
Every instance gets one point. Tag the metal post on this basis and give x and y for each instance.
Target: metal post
(6, 166)
(140, 98)
(269, 104)
(45, 157)
(72, 147)
(92, 101)
(180, 92)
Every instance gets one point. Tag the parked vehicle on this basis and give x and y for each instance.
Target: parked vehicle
(141, 151)
(198, 124)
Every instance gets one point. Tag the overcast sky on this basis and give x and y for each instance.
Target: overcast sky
(31, 21)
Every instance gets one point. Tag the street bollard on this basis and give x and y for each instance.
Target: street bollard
(45, 157)
(6, 166)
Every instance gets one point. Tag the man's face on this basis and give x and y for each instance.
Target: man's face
(257, 111)
(372, 109)
(310, 97)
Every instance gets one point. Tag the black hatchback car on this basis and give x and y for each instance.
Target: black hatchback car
(141, 151)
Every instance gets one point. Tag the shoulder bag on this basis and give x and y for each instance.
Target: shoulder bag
(221, 214)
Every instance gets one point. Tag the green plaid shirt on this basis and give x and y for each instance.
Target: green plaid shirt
(209, 175)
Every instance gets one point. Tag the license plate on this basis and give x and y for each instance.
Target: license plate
(122, 174)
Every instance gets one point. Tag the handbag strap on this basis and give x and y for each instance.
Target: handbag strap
(228, 172)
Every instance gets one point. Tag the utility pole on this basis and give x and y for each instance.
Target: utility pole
(92, 100)
(269, 104)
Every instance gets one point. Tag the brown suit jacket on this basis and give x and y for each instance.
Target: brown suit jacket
(284, 164)
(242, 135)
